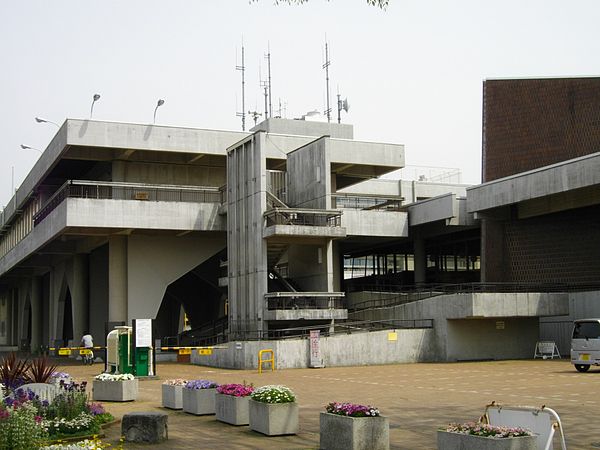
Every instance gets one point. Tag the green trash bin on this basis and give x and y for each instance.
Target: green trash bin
(141, 361)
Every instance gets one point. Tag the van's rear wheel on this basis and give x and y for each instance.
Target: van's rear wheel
(582, 367)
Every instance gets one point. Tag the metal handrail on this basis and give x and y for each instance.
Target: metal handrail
(368, 201)
(107, 190)
(302, 216)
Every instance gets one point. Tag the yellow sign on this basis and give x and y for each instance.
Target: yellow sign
(64, 351)
(185, 351)
(205, 351)
(392, 336)
(85, 351)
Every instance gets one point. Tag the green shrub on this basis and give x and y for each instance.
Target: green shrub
(20, 427)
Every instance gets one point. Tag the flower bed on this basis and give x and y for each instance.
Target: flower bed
(231, 403)
(478, 436)
(273, 411)
(198, 397)
(172, 393)
(354, 427)
(114, 377)
(115, 388)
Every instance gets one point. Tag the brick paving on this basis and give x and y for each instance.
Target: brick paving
(417, 398)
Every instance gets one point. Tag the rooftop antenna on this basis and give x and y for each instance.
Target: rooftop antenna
(255, 115)
(265, 85)
(242, 68)
(341, 104)
(268, 57)
(326, 67)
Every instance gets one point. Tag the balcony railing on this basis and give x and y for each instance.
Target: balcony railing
(128, 191)
(308, 217)
(367, 202)
(305, 300)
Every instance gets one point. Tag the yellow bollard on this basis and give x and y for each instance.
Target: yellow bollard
(261, 360)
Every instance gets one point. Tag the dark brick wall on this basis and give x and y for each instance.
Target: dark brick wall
(555, 248)
(532, 123)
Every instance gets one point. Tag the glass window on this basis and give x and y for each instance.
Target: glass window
(586, 330)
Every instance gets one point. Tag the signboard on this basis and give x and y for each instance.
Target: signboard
(64, 351)
(185, 351)
(143, 332)
(85, 351)
(315, 349)
(546, 349)
(500, 325)
(205, 351)
(392, 336)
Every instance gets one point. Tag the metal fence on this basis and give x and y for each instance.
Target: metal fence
(305, 302)
(128, 191)
(351, 201)
(308, 217)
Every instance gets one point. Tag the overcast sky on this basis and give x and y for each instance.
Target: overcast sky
(412, 74)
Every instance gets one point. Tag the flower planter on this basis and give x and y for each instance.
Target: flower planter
(115, 391)
(198, 401)
(172, 396)
(231, 409)
(353, 433)
(273, 419)
(458, 441)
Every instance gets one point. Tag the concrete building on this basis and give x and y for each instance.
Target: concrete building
(245, 237)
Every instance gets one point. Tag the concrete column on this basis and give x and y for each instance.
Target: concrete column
(420, 261)
(80, 296)
(36, 313)
(328, 250)
(117, 278)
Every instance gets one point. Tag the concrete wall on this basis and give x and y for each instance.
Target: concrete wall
(375, 223)
(98, 282)
(305, 128)
(337, 350)
(309, 177)
(173, 174)
(153, 262)
(508, 338)
(307, 265)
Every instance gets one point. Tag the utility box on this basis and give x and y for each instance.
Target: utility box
(118, 350)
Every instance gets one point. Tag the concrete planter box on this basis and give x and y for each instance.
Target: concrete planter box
(115, 391)
(199, 401)
(353, 433)
(231, 409)
(172, 396)
(273, 419)
(457, 441)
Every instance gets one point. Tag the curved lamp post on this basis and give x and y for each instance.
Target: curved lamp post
(42, 120)
(96, 98)
(27, 147)
(159, 103)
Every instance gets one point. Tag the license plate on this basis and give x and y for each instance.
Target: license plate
(584, 356)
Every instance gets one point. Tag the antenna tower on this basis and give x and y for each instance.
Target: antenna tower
(268, 57)
(326, 67)
(242, 114)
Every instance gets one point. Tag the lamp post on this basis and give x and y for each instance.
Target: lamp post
(159, 103)
(27, 147)
(95, 99)
(42, 120)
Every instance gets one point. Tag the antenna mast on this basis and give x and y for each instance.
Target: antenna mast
(242, 114)
(268, 56)
(326, 67)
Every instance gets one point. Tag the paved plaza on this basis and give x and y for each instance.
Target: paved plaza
(417, 398)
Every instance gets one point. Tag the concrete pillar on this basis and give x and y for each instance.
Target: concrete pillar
(36, 313)
(80, 296)
(328, 250)
(420, 261)
(117, 278)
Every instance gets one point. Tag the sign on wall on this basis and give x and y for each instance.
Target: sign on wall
(315, 349)
(143, 333)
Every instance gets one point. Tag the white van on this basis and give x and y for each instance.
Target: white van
(585, 344)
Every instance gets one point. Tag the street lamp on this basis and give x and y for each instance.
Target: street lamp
(96, 98)
(159, 103)
(27, 147)
(42, 120)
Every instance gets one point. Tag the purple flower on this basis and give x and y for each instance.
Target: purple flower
(96, 408)
(201, 384)
(352, 410)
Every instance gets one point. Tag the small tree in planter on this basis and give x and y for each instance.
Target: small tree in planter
(115, 388)
(198, 397)
(350, 426)
(479, 436)
(273, 411)
(231, 403)
(172, 393)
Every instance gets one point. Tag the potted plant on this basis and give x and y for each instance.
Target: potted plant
(231, 403)
(350, 426)
(115, 388)
(198, 397)
(272, 410)
(479, 436)
(172, 393)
